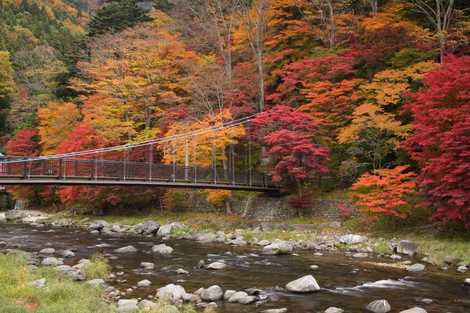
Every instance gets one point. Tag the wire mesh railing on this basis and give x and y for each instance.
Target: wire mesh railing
(123, 170)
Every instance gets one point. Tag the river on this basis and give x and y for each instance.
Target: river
(346, 282)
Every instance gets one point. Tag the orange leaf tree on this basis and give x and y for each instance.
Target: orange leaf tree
(383, 192)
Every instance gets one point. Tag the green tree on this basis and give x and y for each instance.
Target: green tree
(115, 16)
(7, 84)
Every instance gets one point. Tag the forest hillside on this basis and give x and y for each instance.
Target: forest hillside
(369, 96)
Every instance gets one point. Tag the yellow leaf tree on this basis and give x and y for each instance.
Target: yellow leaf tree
(56, 121)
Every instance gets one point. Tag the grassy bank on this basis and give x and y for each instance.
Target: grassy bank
(18, 293)
(60, 294)
(436, 244)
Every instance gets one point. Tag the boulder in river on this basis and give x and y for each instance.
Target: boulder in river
(360, 255)
(67, 253)
(462, 268)
(229, 293)
(127, 249)
(303, 285)
(166, 229)
(278, 247)
(333, 309)
(162, 249)
(144, 283)
(281, 310)
(127, 305)
(47, 251)
(417, 267)
(147, 228)
(407, 247)
(351, 239)
(414, 310)
(171, 292)
(206, 237)
(213, 293)
(379, 306)
(466, 282)
(216, 266)
(239, 241)
(147, 265)
(98, 225)
(242, 298)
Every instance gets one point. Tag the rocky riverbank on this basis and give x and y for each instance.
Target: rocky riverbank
(403, 255)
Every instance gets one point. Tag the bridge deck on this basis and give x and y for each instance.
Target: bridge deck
(93, 172)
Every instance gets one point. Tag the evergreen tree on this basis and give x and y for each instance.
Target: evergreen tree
(116, 16)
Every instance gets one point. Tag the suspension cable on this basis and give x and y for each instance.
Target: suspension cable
(228, 125)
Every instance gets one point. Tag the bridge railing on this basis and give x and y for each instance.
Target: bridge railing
(100, 169)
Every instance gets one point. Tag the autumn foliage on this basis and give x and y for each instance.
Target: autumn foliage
(441, 140)
(292, 147)
(383, 192)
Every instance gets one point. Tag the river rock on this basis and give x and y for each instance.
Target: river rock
(47, 251)
(213, 293)
(216, 266)
(162, 249)
(263, 243)
(229, 293)
(449, 260)
(414, 310)
(239, 241)
(127, 249)
(242, 298)
(171, 292)
(67, 253)
(278, 247)
(462, 268)
(314, 267)
(281, 310)
(407, 247)
(333, 309)
(379, 306)
(147, 228)
(98, 225)
(303, 285)
(205, 237)
(147, 265)
(360, 255)
(417, 267)
(147, 305)
(127, 305)
(351, 239)
(3, 217)
(144, 283)
(166, 229)
(96, 282)
(466, 282)
(182, 271)
(51, 261)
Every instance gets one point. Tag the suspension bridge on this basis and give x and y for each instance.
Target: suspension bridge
(172, 162)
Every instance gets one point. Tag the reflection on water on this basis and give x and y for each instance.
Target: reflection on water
(346, 282)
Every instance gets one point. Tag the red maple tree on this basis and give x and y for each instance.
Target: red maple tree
(293, 149)
(441, 140)
(24, 143)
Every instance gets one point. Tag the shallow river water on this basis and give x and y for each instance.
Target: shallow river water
(346, 282)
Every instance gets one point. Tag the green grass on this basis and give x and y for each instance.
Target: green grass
(98, 268)
(59, 295)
